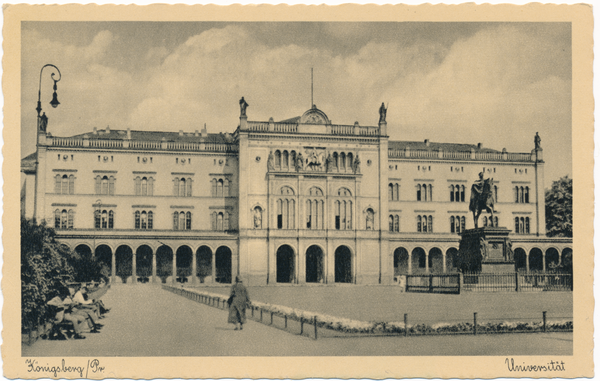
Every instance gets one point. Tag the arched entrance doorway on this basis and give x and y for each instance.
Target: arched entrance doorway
(536, 260)
(124, 262)
(418, 260)
(343, 265)
(143, 263)
(285, 264)
(223, 265)
(184, 264)
(520, 259)
(104, 256)
(164, 263)
(204, 270)
(314, 265)
(400, 261)
(452, 260)
(436, 263)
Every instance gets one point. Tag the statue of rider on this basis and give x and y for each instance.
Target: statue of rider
(481, 197)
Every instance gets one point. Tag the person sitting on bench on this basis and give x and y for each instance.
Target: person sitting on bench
(62, 305)
(84, 303)
(89, 315)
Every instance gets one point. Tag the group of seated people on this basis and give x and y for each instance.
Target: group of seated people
(70, 303)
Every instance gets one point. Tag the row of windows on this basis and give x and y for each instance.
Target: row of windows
(425, 193)
(143, 186)
(64, 184)
(522, 194)
(522, 225)
(143, 220)
(286, 161)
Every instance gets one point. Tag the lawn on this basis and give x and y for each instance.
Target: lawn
(389, 303)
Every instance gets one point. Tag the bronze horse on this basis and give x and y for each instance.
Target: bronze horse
(482, 198)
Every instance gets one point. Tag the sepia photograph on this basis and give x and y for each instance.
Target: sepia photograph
(215, 188)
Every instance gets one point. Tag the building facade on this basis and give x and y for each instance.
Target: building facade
(301, 201)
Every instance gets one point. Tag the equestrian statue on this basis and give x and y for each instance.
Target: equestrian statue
(482, 198)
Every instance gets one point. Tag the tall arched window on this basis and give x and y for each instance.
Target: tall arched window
(137, 186)
(517, 231)
(144, 186)
(150, 218)
(336, 164)
(104, 185)
(349, 160)
(65, 185)
(516, 194)
(278, 159)
(137, 219)
(213, 183)
(462, 193)
(111, 185)
(285, 161)
(419, 224)
(286, 208)
(71, 184)
(226, 188)
(57, 184)
(419, 192)
(452, 194)
(182, 187)
(342, 162)
(220, 188)
(188, 221)
(391, 223)
(220, 221)
(452, 225)
(527, 195)
(526, 225)
(391, 192)
(70, 219)
(315, 209)
(144, 220)
(397, 223)
(397, 192)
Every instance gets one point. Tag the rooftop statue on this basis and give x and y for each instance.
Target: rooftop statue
(482, 197)
(382, 113)
(537, 141)
(243, 106)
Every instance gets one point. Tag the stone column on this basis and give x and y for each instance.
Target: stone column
(194, 268)
(114, 267)
(527, 261)
(444, 262)
(134, 268)
(154, 267)
(174, 277)
(213, 264)
(543, 261)
(409, 261)
(426, 262)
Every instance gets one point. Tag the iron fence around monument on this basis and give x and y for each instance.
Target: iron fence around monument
(521, 282)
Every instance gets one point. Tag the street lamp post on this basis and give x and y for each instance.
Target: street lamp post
(42, 121)
(42, 124)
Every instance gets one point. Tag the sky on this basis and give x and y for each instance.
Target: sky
(491, 83)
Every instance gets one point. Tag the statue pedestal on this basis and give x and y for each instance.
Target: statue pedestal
(486, 250)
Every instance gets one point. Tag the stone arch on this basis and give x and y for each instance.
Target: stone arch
(400, 261)
(343, 265)
(552, 258)
(285, 264)
(315, 260)
(418, 260)
(223, 264)
(436, 260)
(164, 262)
(104, 255)
(124, 262)
(204, 265)
(520, 256)
(452, 260)
(84, 250)
(536, 261)
(183, 259)
(143, 263)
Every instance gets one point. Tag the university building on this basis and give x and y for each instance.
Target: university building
(301, 201)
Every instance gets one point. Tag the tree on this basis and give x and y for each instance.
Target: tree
(559, 208)
(44, 266)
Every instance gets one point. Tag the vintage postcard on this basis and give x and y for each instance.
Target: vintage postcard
(353, 191)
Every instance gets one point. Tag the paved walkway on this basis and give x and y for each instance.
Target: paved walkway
(148, 321)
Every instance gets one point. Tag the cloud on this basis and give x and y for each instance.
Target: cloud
(497, 85)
